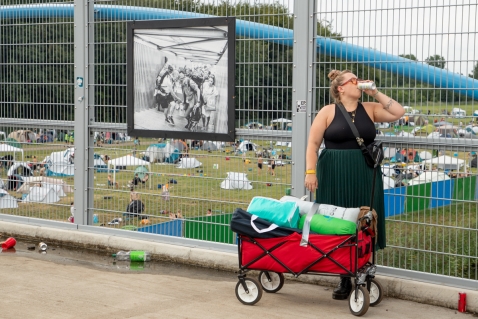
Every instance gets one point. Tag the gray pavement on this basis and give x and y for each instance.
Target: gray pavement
(67, 283)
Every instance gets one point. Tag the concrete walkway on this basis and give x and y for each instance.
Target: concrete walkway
(34, 287)
(63, 285)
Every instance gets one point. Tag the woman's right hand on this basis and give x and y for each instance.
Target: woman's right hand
(311, 182)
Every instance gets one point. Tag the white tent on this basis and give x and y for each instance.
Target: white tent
(388, 170)
(247, 146)
(5, 148)
(189, 162)
(25, 169)
(29, 182)
(388, 182)
(7, 200)
(159, 152)
(425, 155)
(287, 144)
(389, 152)
(446, 162)
(42, 195)
(61, 163)
(281, 124)
(236, 180)
(428, 177)
(128, 160)
(209, 146)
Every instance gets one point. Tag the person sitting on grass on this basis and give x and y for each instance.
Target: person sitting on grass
(145, 178)
(136, 180)
(111, 182)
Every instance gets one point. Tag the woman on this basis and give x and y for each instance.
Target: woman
(345, 179)
(210, 96)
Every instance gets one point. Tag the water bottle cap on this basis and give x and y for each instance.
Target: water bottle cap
(114, 255)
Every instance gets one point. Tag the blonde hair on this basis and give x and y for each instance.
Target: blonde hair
(336, 78)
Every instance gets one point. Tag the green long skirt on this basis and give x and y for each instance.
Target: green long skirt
(345, 180)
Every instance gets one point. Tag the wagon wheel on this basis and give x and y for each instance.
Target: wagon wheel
(375, 292)
(254, 293)
(271, 281)
(359, 306)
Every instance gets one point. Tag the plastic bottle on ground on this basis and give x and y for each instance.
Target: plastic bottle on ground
(134, 255)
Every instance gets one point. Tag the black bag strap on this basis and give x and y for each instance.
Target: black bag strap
(353, 128)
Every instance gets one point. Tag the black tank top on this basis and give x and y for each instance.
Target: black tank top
(339, 135)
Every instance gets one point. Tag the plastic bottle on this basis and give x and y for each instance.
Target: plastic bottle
(134, 255)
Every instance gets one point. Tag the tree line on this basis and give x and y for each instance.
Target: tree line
(37, 72)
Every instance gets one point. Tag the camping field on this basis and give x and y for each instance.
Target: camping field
(433, 232)
(195, 191)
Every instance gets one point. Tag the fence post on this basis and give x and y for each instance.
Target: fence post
(302, 82)
(81, 109)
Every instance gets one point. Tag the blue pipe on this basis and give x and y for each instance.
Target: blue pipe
(352, 53)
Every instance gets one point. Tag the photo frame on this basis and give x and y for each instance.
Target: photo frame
(181, 78)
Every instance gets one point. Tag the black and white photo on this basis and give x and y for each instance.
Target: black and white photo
(181, 78)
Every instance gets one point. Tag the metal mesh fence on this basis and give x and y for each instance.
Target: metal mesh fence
(424, 57)
(421, 55)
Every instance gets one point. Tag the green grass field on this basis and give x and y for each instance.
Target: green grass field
(441, 241)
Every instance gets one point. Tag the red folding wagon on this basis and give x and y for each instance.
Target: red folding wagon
(331, 255)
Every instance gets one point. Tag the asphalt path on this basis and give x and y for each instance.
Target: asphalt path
(68, 283)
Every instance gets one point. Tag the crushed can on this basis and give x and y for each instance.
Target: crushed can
(42, 246)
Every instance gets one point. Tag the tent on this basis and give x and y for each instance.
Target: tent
(388, 182)
(286, 144)
(7, 200)
(425, 130)
(236, 180)
(141, 171)
(99, 163)
(458, 113)
(428, 177)
(389, 152)
(161, 152)
(23, 136)
(60, 163)
(253, 125)
(189, 162)
(128, 160)
(209, 146)
(281, 124)
(59, 185)
(425, 155)
(20, 168)
(42, 195)
(388, 170)
(246, 146)
(5, 148)
(446, 162)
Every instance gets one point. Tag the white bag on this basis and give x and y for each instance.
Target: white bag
(350, 214)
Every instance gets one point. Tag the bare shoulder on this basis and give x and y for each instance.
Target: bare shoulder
(327, 109)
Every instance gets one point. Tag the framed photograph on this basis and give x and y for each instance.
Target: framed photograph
(180, 78)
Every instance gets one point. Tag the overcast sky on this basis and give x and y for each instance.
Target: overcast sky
(420, 27)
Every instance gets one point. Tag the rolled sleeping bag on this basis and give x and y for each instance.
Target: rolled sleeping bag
(326, 225)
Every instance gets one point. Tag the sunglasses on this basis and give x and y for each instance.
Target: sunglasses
(353, 80)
